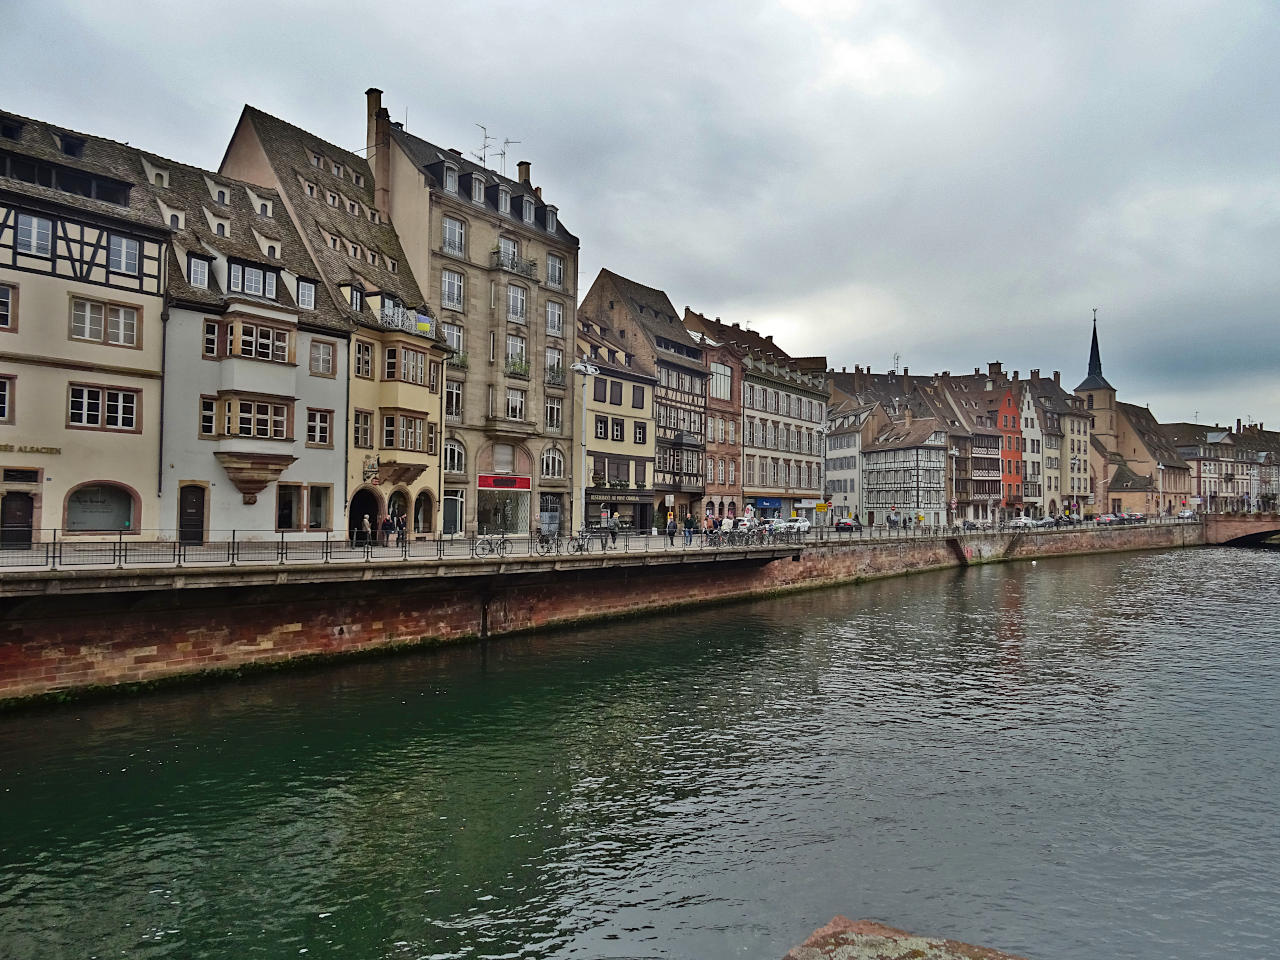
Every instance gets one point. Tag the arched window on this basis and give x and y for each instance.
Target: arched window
(1090, 403)
(101, 507)
(271, 252)
(455, 457)
(159, 179)
(173, 220)
(222, 230)
(553, 463)
(262, 209)
(222, 197)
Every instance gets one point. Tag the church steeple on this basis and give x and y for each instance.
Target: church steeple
(1095, 380)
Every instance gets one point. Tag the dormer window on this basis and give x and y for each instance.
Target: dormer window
(315, 159)
(451, 179)
(306, 294)
(271, 252)
(10, 129)
(311, 189)
(221, 229)
(528, 210)
(373, 216)
(504, 200)
(263, 210)
(355, 251)
(174, 222)
(353, 208)
(72, 146)
(477, 190)
(198, 272)
(358, 179)
(391, 265)
(551, 219)
(333, 243)
(337, 169)
(253, 280)
(222, 197)
(357, 299)
(333, 199)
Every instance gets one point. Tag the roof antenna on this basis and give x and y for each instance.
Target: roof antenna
(897, 359)
(406, 116)
(483, 155)
(503, 153)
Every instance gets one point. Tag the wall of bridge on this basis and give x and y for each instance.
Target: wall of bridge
(1223, 528)
(67, 631)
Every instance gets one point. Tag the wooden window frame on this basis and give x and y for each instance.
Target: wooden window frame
(356, 430)
(321, 415)
(73, 298)
(11, 326)
(333, 358)
(100, 427)
(328, 519)
(11, 388)
(302, 506)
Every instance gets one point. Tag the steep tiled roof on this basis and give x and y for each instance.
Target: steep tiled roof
(1125, 479)
(98, 157)
(430, 161)
(1144, 423)
(901, 435)
(188, 193)
(290, 150)
(651, 308)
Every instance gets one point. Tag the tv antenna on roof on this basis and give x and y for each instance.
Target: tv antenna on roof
(897, 360)
(503, 153)
(483, 155)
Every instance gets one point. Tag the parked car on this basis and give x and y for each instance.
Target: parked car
(1045, 522)
(1136, 517)
(1022, 523)
(793, 524)
(848, 525)
(1186, 514)
(1107, 519)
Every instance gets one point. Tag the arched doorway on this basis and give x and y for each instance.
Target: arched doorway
(398, 504)
(364, 503)
(191, 497)
(424, 512)
(16, 512)
(1053, 508)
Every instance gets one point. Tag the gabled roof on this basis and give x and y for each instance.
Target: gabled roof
(430, 161)
(188, 192)
(901, 435)
(1148, 429)
(650, 308)
(289, 150)
(98, 157)
(1125, 479)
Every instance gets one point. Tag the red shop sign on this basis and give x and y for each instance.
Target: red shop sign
(501, 481)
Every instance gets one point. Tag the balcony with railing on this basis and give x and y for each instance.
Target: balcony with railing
(453, 247)
(518, 367)
(395, 316)
(512, 263)
(555, 376)
(458, 360)
(517, 316)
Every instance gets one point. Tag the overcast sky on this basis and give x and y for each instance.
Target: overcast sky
(950, 182)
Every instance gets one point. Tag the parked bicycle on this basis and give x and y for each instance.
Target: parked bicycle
(548, 544)
(487, 546)
(581, 543)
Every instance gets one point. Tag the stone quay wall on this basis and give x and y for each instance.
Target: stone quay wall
(63, 632)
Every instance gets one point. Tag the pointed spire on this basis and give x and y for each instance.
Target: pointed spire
(1095, 358)
(1095, 380)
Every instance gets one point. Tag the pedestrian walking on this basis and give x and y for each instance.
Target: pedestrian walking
(671, 531)
(613, 529)
(366, 530)
(688, 529)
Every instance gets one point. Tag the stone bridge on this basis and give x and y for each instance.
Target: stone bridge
(1240, 529)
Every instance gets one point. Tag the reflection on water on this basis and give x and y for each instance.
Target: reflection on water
(1076, 759)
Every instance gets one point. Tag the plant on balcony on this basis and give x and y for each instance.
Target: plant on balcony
(619, 484)
(555, 375)
(640, 484)
(518, 368)
(597, 479)
(458, 360)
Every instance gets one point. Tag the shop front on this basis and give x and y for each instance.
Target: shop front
(805, 508)
(502, 504)
(766, 507)
(634, 508)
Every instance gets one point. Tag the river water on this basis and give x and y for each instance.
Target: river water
(1076, 759)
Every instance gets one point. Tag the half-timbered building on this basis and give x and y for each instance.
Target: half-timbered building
(83, 254)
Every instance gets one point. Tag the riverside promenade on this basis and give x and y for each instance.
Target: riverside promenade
(125, 612)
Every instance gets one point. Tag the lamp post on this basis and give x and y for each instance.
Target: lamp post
(587, 370)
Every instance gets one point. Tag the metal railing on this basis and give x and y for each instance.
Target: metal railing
(58, 550)
(499, 259)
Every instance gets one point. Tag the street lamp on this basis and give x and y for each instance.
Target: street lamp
(587, 370)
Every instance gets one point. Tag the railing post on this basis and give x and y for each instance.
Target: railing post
(280, 549)
(53, 555)
(120, 550)
(231, 552)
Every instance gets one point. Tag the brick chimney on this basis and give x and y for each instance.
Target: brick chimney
(994, 370)
(1057, 378)
(906, 380)
(1035, 374)
(378, 137)
(1237, 424)
(522, 171)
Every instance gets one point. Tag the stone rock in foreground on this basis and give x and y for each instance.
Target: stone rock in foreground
(843, 939)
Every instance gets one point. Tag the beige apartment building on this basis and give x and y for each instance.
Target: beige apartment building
(395, 411)
(500, 271)
(616, 439)
(83, 256)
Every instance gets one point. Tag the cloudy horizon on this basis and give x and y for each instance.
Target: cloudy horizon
(940, 184)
